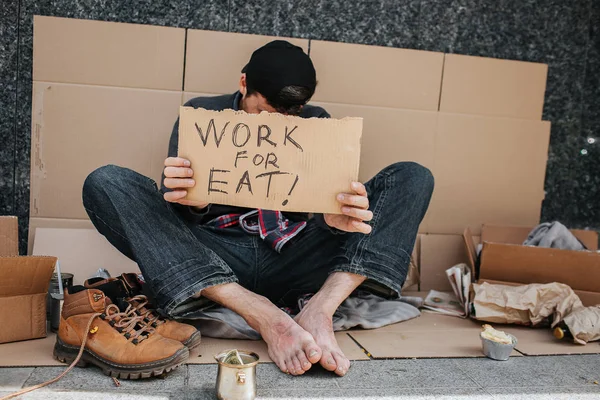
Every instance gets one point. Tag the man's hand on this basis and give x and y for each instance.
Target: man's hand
(178, 177)
(355, 209)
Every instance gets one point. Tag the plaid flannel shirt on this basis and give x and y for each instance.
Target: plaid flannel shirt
(271, 226)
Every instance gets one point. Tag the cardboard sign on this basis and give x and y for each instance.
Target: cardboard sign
(269, 161)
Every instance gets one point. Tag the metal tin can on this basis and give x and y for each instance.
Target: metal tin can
(236, 381)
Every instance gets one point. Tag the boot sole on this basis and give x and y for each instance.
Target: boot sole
(194, 341)
(66, 354)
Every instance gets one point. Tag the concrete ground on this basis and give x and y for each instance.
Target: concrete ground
(556, 377)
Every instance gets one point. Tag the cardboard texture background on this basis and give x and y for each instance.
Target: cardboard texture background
(214, 60)
(107, 53)
(377, 76)
(81, 252)
(9, 236)
(35, 223)
(475, 159)
(437, 254)
(487, 86)
(430, 335)
(88, 127)
(303, 172)
(487, 169)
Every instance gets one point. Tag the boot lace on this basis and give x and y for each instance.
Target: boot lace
(129, 323)
(150, 316)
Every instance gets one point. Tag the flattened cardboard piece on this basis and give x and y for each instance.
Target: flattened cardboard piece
(126, 127)
(398, 78)
(518, 234)
(526, 264)
(107, 53)
(587, 298)
(35, 223)
(438, 253)
(210, 347)
(23, 288)
(390, 136)
(38, 353)
(30, 353)
(487, 170)
(269, 161)
(430, 335)
(541, 342)
(214, 60)
(487, 86)
(9, 236)
(81, 252)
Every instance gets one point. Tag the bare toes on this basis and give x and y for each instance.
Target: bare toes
(313, 353)
(342, 364)
(303, 361)
(297, 366)
(328, 362)
(282, 366)
(289, 368)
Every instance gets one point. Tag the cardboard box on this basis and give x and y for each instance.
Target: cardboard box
(437, 254)
(214, 60)
(23, 289)
(504, 259)
(487, 86)
(377, 76)
(107, 53)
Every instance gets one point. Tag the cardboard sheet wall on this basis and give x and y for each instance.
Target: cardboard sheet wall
(102, 95)
(110, 93)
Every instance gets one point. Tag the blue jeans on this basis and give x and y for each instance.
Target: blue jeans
(179, 258)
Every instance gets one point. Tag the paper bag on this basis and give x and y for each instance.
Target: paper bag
(524, 305)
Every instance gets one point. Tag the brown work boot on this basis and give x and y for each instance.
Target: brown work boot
(129, 288)
(117, 340)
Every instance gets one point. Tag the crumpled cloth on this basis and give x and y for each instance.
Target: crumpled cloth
(363, 309)
(524, 305)
(584, 324)
(554, 235)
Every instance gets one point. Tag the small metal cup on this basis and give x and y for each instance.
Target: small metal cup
(498, 351)
(237, 381)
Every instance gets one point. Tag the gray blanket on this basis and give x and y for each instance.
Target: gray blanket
(364, 310)
(554, 235)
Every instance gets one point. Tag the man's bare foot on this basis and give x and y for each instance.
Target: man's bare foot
(319, 324)
(292, 348)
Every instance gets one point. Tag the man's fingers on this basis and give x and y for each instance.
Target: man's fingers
(353, 200)
(176, 183)
(178, 172)
(175, 195)
(361, 227)
(358, 213)
(359, 188)
(177, 162)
